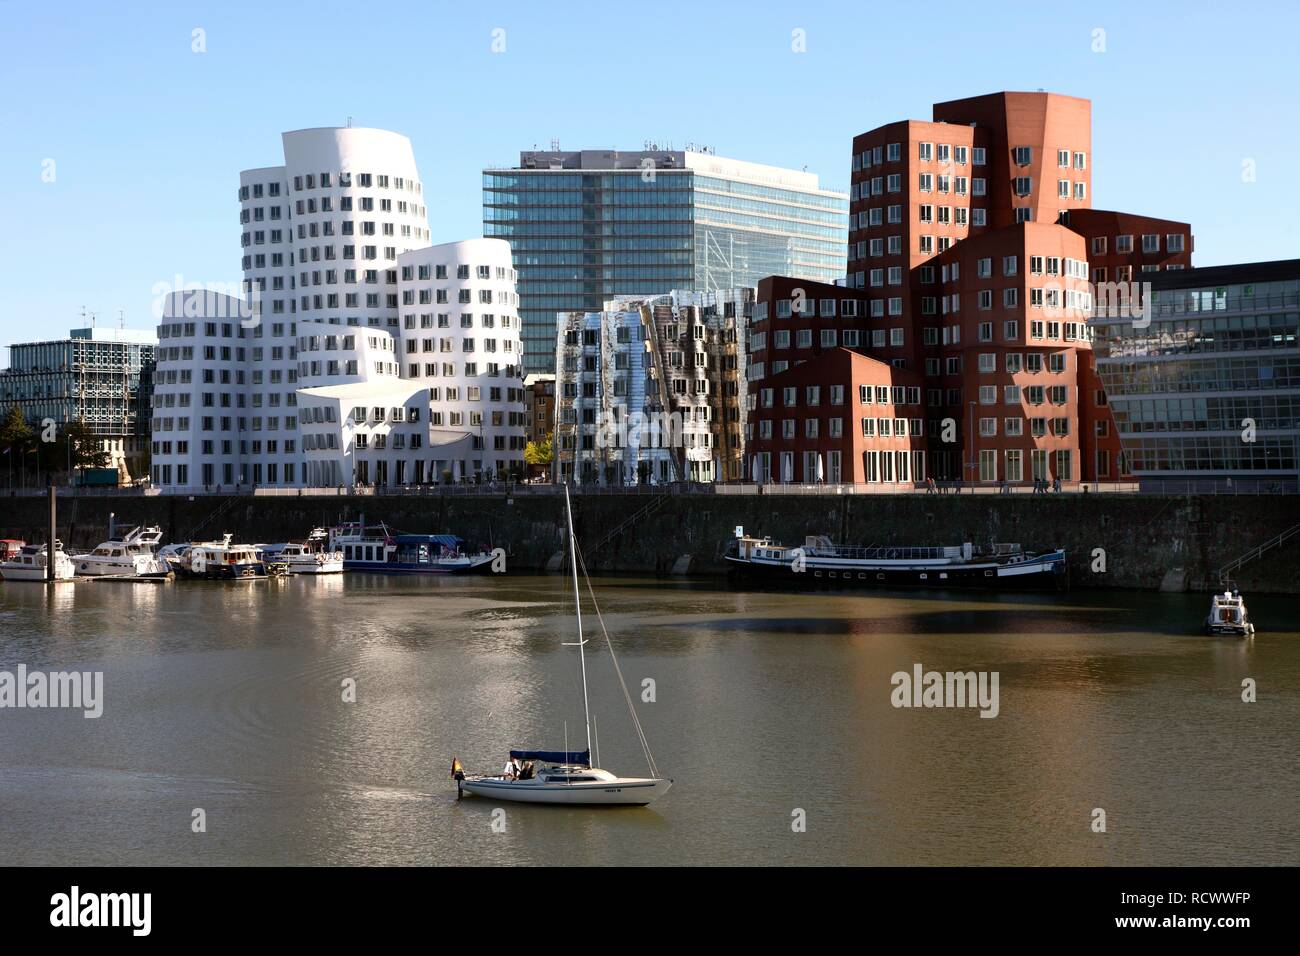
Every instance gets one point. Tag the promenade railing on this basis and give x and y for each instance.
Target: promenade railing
(1162, 486)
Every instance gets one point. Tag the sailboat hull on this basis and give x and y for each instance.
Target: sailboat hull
(622, 792)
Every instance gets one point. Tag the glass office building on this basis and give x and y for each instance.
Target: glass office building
(1210, 388)
(101, 378)
(590, 225)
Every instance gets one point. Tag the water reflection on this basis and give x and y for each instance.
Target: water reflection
(232, 697)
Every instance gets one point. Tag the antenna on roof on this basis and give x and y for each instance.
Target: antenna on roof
(349, 122)
(121, 319)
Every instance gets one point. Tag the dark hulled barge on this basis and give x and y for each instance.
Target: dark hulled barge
(820, 562)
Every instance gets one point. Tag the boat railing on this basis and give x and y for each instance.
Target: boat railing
(884, 553)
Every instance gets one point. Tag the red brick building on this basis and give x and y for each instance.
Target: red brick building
(973, 250)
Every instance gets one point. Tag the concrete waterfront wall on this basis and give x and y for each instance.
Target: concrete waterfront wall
(1146, 538)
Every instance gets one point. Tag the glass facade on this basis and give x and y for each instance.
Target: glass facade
(98, 382)
(582, 236)
(1208, 383)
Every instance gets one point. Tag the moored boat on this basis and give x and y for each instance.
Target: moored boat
(821, 562)
(381, 550)
(31, 561)
(219, 560)
(132, 554)
(1228, 615)
(305, 557)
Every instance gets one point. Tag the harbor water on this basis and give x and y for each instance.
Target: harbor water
(314, 721)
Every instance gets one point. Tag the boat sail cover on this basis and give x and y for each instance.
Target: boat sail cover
(554, 756)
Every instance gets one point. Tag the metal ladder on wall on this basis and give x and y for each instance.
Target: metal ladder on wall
(1275, 542)
(649, 508)
(216, 513)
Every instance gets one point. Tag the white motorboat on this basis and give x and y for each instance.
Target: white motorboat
(1228, 615)
(173, 554)
(131, 554)
(305, 557)
(569, 777)
(30, 563)
(219, 560)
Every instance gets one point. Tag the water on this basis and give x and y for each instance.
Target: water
(229, 698)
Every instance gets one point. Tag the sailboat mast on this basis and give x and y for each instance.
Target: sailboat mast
(577, 606)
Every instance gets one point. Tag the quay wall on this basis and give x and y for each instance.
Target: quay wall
(1144, 537)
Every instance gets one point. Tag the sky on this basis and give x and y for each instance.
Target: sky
(124, 130)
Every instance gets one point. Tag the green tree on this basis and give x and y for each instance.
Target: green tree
(87, 451)
(16, 439)
(540, 452)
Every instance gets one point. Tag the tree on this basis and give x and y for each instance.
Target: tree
(87, 451)
(16, 438)
(540, 452)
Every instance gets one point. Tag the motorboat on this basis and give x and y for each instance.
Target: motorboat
(305, 557)
(219, 560)
(821, 562)
(1228, 615)
(132, 554)
(565, 776)
(31, 561)
(379, 549)
(173, 554)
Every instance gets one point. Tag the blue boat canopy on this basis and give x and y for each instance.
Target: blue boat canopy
(554, 756)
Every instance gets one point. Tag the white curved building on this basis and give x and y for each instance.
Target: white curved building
(200, 409)
(321, 236)
(365, 356)
(460, 339)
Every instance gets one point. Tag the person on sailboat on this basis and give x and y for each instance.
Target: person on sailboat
(511, 770)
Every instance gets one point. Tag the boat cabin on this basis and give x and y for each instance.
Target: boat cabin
(1229, 609)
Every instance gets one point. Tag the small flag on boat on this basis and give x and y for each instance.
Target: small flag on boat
(455, 767)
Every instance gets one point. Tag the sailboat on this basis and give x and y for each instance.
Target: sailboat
(568, 776)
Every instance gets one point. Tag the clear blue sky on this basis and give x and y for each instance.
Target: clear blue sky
(148, 137)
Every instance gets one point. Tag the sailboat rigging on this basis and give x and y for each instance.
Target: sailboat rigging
(566, 776)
